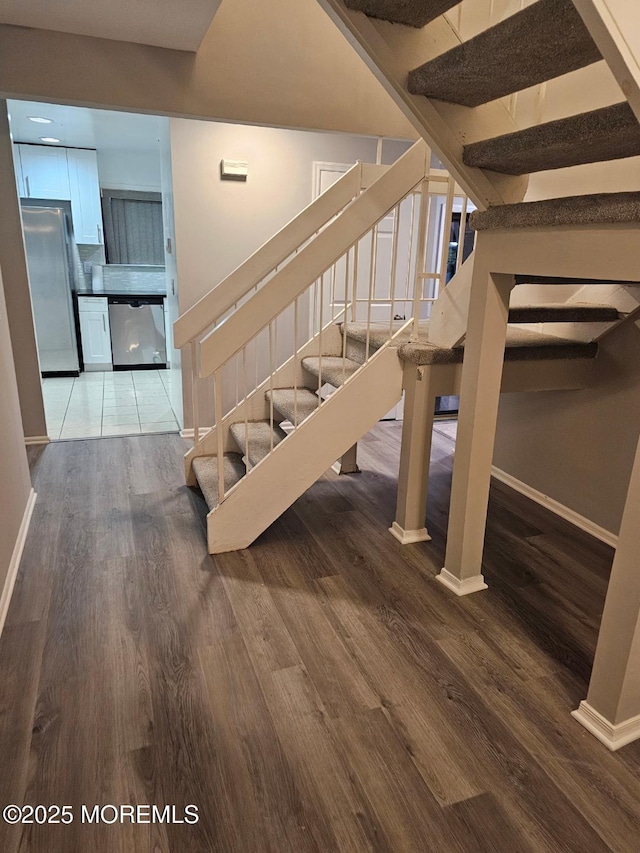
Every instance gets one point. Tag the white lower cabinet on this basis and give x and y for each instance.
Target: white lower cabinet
(94, 332)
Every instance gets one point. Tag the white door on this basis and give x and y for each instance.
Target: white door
(389, 299)
(44, 171)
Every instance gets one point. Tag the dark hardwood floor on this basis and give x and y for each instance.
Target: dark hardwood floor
(319, 691)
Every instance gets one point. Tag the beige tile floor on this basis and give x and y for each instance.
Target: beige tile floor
(113, 403)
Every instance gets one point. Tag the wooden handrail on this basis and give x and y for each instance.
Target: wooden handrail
(316, 257)
(244, 278)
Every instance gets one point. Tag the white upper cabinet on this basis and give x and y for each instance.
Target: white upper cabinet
(65, 174)
(85, 196)
(44, 172)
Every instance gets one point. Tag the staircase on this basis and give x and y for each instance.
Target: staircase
(479, 99)
(266, 345)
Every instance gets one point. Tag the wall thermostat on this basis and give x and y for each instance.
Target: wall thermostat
(234, 170)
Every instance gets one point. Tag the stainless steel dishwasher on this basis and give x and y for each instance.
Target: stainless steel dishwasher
(137, 331)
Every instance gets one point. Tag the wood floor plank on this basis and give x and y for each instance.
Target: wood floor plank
(34, 580)
(575, 762)
(327, 781)
(487, 827)
(260, 798)
(266, 636)
(332, 669)
(21, 648)
(426, 733)
(410, 817)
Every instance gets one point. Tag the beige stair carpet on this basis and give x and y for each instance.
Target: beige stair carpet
(256, 439)
(206, 470)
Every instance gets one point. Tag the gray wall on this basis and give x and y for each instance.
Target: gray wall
(577, 447)
(218, 224)
(15, 484)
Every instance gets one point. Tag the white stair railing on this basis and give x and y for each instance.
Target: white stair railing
(378, 260)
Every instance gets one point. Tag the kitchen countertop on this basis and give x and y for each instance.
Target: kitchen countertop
(120, 293)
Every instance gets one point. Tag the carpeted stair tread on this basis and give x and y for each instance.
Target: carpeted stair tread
(413, 13)
(290, 402)
(378, 333)
(335, 369)
(602, 208)
(522, 345)
(610, 133)
(543, 41)
(206, 470)
(259, 439)
(565, 312)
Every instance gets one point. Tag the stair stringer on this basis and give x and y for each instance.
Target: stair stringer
(450, 311)
(254, 408)
(613, 25)
(298, 461)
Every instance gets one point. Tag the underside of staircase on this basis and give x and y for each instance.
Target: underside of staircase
(544, 41)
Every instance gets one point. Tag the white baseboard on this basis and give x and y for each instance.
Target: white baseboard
(555, 506)
(14, 564)
(409, 537)
(611, 735)
(465, 587)
(36, 439)
(189, 433)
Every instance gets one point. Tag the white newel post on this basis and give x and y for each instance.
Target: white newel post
(415, 452)
(479, 399)
(612, 708)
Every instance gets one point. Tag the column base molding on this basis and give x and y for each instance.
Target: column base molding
(613, 736)
(409, 537)
(464, 587)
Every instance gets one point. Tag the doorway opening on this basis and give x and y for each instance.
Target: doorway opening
(99, 242)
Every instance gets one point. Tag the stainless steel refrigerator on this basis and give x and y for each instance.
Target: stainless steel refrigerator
(47, 236)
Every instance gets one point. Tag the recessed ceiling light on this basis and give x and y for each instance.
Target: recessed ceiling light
(49, 139)
(40, 119)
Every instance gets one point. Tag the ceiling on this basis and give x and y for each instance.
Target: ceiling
(165, 23)
(80, 127)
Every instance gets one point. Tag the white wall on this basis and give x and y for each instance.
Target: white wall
(218, 224)
(130, 170)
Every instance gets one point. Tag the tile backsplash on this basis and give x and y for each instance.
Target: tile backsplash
(129, 278)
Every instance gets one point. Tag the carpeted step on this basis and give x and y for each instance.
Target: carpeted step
(414, 13)
(206, 470)
(290, 402)
(611, 133)
(543, 41)
(602, 208)
(259, 434)
(565, 312)
(522, 345)
(335, 369)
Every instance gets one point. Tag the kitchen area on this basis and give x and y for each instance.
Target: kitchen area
(97, 239)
